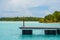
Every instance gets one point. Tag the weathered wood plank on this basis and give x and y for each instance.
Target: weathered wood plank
(39, 27)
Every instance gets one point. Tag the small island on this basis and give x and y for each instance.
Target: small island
(51, 18)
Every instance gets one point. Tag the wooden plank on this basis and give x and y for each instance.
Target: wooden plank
(39, 27)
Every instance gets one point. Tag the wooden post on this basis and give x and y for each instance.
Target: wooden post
(23, 22)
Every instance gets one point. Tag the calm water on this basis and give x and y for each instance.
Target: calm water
(11, 31)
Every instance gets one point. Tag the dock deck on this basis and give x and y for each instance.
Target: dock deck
(39, 27)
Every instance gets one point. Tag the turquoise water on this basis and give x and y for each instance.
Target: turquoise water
(11, 31)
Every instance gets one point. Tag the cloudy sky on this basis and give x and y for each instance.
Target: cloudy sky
(36, 8)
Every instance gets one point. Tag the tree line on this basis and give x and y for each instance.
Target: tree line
(19, 19)
(54, 17)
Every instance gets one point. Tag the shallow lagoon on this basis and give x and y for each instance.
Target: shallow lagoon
(10, 31)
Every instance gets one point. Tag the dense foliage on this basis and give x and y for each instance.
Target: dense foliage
(19, 19)
(55, 17)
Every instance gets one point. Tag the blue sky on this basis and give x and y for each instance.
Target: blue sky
(35, 8)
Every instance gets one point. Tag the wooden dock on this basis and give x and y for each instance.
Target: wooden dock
(46, 32)
(53, 31)
(39, 27)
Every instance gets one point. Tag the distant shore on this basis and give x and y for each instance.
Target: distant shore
(50, 18)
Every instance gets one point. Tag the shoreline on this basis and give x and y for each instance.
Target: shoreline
(27, 22)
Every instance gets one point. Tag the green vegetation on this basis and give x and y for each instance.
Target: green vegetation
(19, 19)
(55, 17)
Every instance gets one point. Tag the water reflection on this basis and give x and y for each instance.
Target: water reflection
(38, 37)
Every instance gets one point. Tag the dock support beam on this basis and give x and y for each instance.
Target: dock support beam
(58, 31)
(26, 32)
(50, 32)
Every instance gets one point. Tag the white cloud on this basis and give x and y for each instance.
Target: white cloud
(22, 6)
